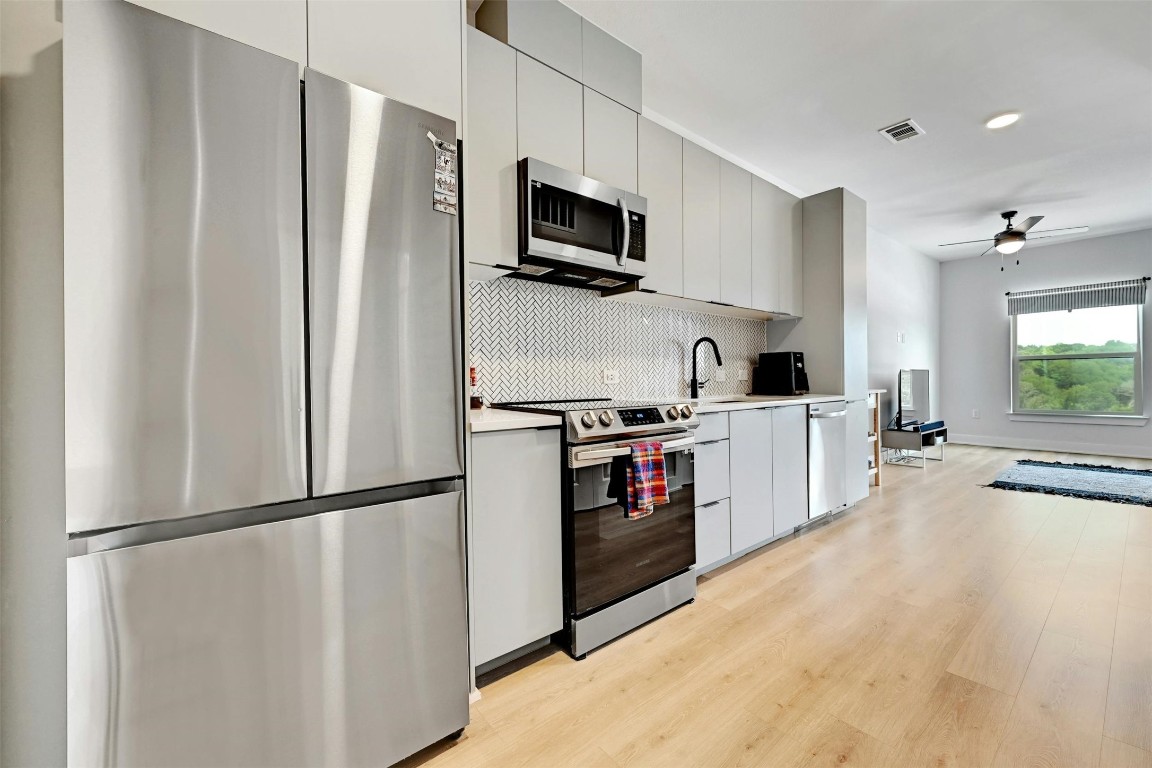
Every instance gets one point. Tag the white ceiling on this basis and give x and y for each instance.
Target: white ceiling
(799, 89)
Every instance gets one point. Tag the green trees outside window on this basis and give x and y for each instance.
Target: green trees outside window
(1082, 361)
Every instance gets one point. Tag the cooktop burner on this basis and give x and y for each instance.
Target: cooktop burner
(604, 418)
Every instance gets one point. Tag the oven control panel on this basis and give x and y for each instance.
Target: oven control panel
(599, 423)
(633, 417)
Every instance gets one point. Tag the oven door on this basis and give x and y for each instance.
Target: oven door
(569, 220)
(613, 556)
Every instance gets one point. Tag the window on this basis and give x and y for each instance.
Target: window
(1084, 361)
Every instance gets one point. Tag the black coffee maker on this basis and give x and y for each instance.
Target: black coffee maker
(780, 373)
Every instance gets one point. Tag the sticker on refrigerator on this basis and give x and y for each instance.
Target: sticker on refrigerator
(444, 191)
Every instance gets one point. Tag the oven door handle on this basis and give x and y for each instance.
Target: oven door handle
(624, 246)
(596, 454)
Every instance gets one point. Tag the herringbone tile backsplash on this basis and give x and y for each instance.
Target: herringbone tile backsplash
(539, 341)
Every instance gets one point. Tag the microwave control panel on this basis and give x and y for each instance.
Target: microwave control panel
(636, 236)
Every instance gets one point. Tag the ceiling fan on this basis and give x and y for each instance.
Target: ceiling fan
(1012, 239)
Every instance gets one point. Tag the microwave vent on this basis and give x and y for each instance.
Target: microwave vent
(554, 211)
(902, 131)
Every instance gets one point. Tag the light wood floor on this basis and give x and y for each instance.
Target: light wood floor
(937, 624)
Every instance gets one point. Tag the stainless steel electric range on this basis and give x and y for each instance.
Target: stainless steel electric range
(620, 573)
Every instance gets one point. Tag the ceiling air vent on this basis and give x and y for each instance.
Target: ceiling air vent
(902, 131)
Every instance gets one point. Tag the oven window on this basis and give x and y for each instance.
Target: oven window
(615, 556)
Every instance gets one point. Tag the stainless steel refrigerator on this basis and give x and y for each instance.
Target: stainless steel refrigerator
(263, 408)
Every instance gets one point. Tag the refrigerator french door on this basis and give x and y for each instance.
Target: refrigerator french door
(382, 290)
(238, 595)
(183, 282)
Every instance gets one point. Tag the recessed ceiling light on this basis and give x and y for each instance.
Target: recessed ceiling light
(1002, 121)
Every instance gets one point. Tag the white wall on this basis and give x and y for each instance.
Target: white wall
(903, 297)
(32, 539)
(975, 345)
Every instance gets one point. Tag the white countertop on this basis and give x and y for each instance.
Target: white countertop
(498, 420)
(748, 402)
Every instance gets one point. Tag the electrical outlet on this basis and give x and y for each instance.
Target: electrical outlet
(900, 337)
(611, 376)
(743, 375)
(720, 375)
(975, 413)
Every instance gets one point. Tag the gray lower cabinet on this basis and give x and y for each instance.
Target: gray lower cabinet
(751, 467)
(517, 588)
(711, 471)
(713, 532)
(789, 468)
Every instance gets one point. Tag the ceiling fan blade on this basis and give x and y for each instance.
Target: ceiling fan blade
(1057, 232)
(966, 242)
(1027, 224)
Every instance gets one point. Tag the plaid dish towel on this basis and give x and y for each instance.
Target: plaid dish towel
(647, 485)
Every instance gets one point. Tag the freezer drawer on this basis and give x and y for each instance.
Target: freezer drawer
(383, 292)
(338, 639)
(183, 271)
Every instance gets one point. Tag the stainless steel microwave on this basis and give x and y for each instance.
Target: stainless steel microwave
(579, 231)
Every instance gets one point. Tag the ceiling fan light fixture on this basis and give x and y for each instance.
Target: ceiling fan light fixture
(1009, 242)
(1003, 121)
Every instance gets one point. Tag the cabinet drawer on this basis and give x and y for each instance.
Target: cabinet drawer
(713, 532)
(711, 472)
(713, 426)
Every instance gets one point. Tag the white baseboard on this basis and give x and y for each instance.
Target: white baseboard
(1056, 446)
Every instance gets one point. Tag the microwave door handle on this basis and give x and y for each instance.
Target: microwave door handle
(623, 255)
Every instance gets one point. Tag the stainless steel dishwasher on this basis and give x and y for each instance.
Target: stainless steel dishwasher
(826, 445)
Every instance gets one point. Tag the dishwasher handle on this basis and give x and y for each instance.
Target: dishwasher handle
(827, 414)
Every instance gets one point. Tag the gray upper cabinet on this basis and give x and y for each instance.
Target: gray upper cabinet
(275, 26)
(549, 115)
(546, 30)
(776, 249)
(792, 263)
(609, 141)
(751, 461)
(490, 152)
(735, 235)
(701, 223)
(408, 50)
(789, 468)
(612, 68)
(660, 160)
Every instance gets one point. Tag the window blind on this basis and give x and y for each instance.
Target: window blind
(1116, 294)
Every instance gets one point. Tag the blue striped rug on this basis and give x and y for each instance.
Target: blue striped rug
(1082, 481)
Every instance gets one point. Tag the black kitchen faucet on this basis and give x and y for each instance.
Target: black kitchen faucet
(695, 383)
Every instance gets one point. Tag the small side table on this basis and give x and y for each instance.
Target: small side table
(915, 442)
